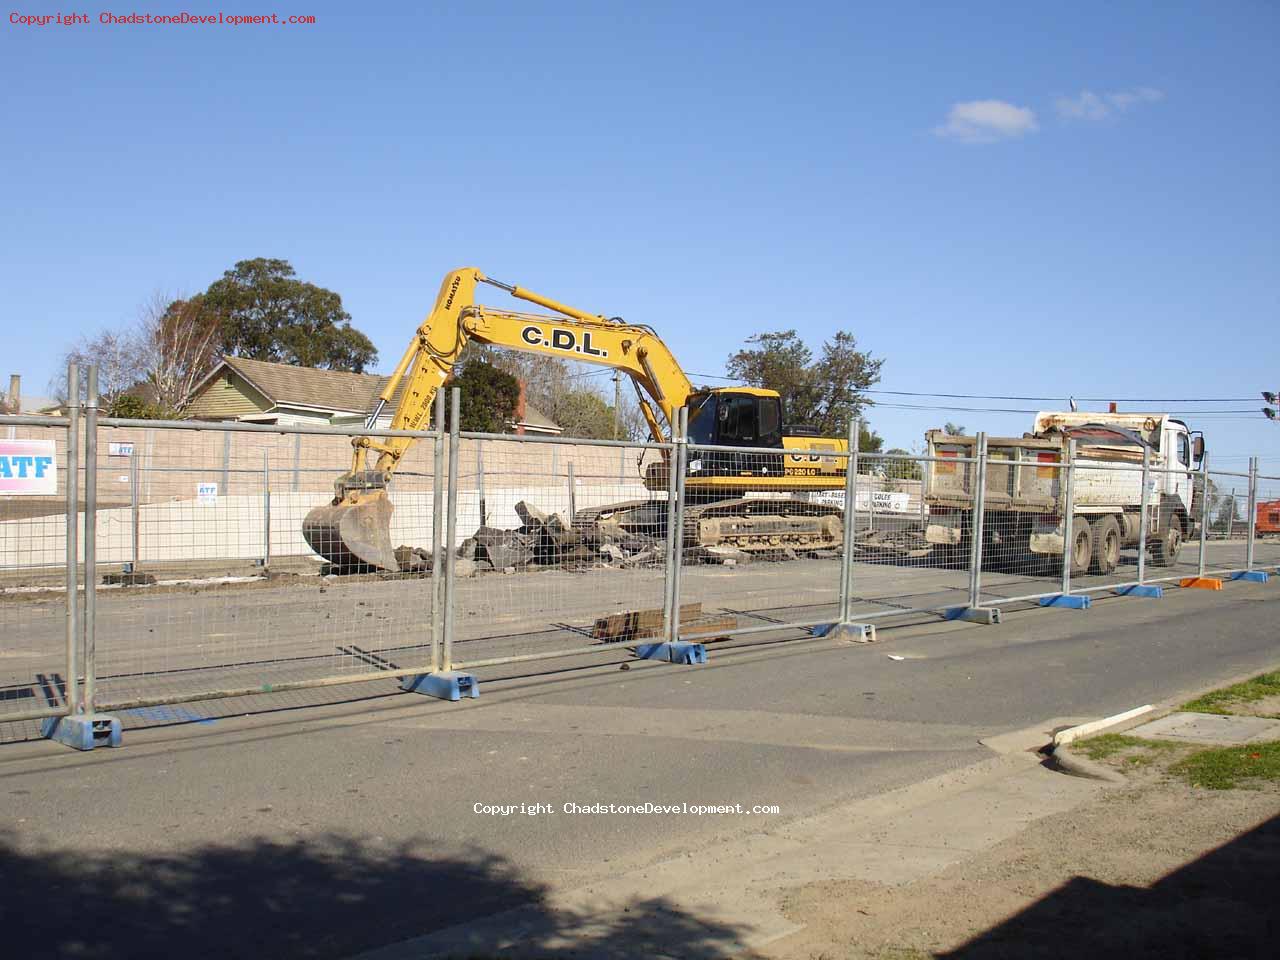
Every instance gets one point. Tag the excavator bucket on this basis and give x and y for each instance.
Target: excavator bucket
(354, 532)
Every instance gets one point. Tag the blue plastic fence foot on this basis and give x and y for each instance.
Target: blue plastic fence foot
(1253, 576)
(447, 685)
(83, 731)
(678, 652)
(1140, 590)
(987, 615)
(851, 632)
(1069, 601)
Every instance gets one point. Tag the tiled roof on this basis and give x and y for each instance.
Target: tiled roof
(288, 386)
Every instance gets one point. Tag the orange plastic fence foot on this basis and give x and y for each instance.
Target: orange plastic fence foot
(1201, 583)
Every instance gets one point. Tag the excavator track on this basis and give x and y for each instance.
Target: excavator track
(749, 524)
(756, 525)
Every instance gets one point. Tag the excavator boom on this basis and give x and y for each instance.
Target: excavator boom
(354, 530)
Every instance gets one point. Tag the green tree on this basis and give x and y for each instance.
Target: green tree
(901, 469)
(953, 429)
(266, 313)
(584, 413)
(128, 406)
(825, 393)
(488, 397)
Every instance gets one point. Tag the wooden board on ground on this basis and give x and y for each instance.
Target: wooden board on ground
(639, 624)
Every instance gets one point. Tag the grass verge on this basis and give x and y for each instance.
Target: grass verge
(1224, 768)
(1108, 745)
(1221, 701)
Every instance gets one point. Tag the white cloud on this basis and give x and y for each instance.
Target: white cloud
(985, 121)
(1087, 105)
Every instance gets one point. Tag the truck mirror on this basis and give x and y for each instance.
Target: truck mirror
(1197, 448)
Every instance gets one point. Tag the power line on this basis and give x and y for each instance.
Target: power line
(986, 396)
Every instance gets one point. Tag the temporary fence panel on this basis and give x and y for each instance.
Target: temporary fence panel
(556, 544)
(1023, 538)
(758, 537)
(1266, 523)
(34, 597)
(233, 601)
(1226, 522)
(906, 554)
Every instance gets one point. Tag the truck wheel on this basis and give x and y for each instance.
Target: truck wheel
(1106, 546)
(1164, 551)
(1081, 545)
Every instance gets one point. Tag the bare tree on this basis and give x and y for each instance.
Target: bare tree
(173, 344)
(181, 342)
(119, 357)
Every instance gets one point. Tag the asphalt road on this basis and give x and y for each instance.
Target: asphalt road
(337, 828)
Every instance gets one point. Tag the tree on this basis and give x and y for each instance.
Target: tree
(901, 469)
(953, 429)
(266, 313)
(571, 398)
(826, 393)
(130, 406)
(120, 357)
(182, 341)
(488, 397)
(583, 413)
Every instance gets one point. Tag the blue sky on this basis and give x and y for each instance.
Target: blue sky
(1013, 200)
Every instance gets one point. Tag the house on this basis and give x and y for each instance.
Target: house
(254, 391)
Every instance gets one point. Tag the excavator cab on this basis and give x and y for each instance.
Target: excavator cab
(735, 417)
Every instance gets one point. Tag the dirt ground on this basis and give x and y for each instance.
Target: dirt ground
(1156, 868)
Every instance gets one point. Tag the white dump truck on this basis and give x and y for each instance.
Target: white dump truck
(1024, 496)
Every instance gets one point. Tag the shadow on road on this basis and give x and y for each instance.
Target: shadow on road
(1221, 905)
(328, 897)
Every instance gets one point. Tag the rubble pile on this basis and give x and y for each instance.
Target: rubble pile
(543, 540)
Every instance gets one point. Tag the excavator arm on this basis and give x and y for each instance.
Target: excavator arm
(355, 529)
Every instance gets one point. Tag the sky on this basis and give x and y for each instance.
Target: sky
(1027, 200)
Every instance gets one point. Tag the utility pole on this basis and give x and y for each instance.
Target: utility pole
(617, 403)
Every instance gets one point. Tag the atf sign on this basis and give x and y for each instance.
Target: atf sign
(27, 467)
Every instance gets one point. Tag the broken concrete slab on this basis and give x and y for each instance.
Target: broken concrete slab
(530, 515)
(504, 548)
(411, 560)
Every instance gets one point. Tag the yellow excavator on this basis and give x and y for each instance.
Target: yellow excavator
(748, 501)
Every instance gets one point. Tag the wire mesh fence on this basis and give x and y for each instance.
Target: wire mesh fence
(208, 586)
(34, 505)
(203, 582)
(758, 538)
(1022, 538)
(1224, 521)
(907, 555)
(1266, 516)
(555, 544)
